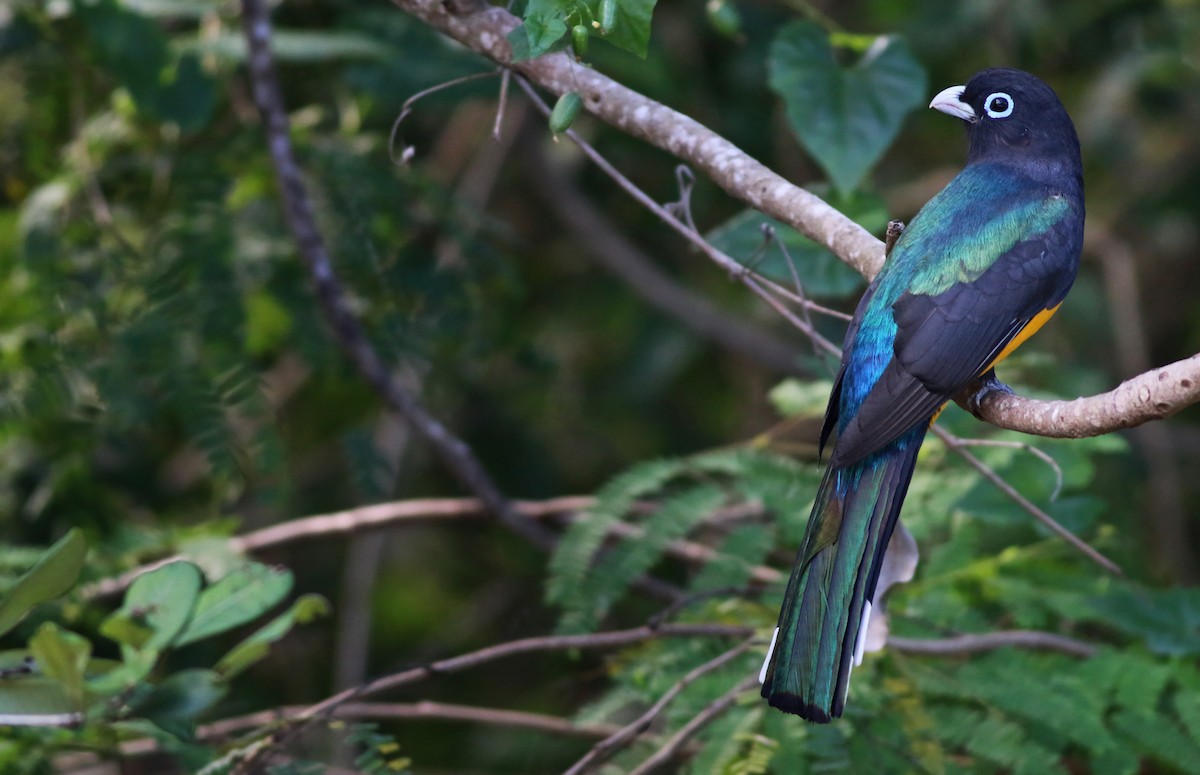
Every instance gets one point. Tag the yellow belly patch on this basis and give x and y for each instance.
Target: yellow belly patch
(1031, 328)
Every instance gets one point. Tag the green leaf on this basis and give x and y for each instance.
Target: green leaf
(268, 324)
(1168, 619)
(176, 702)
(572, 559)
(801, 398)
(845, 116)
(544, 26)
(1157, 737)
(157, 606)
(631, 30)
(252, 649)
(615, 571)
(242, 595)
(63, 656)
(50, 577)
(134, 668)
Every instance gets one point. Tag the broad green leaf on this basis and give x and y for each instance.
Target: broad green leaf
(846, 116)
(176, 702)
(63, 656)
(632, 28)
(157, 606)
(52, 576)
(241, 596)
(257, 646)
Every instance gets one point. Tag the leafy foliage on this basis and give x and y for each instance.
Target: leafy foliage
(166, 380)
(1007, 709)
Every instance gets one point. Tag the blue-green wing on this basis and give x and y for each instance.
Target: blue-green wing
(943, 340)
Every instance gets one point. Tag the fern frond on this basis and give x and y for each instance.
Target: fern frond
(617, 570)
(572, 560)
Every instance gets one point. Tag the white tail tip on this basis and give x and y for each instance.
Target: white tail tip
(762, 672)
(860, 642)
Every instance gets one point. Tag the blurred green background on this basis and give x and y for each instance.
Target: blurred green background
(165, 376)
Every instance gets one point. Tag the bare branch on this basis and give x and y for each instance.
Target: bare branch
(384, 515)
(597, 640)
(347, 329)
(412, 710)
(988, 641)
(1152, 395)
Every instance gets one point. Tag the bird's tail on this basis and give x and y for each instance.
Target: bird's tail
(827, 605)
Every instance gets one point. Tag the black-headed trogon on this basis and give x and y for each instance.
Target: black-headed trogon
(978, 270)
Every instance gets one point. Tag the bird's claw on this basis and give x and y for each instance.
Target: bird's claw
(987, 385)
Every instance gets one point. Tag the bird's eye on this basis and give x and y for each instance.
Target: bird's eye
(998, 105)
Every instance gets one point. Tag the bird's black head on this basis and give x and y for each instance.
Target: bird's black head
(1013, 117)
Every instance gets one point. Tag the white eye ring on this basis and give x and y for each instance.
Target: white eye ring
(999, 95)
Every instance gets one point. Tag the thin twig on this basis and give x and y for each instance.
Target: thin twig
(735, 269)
(599, 640)
(989, 641)
(406, 108)
(711, 713)
(501, 103)
(1041, 516)
(347, 330)
(622, 258)
(605, 749)
(1024, 446)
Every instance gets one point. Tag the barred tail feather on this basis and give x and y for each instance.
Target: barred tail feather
(822, 622)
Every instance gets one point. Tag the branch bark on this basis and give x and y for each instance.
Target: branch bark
(1150, 396)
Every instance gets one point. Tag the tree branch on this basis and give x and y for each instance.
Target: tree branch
(380, 516)
(597, 640)
(988, 641)
(347, 330)
(1150, 396)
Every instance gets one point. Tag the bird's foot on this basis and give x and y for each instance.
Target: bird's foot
(987, 385)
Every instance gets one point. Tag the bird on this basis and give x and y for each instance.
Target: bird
(980, 268)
